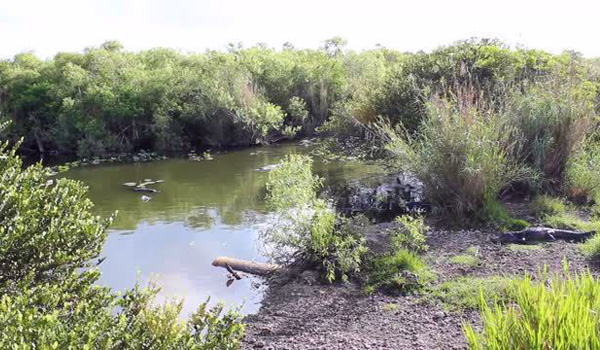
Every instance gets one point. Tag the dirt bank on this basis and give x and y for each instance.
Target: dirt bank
(304, 314)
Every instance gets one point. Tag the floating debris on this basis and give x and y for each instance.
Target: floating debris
(145, 189)
(130, 184)
(269, 167)
(146, 198)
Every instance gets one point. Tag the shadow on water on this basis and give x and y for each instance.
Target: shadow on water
(204, 210)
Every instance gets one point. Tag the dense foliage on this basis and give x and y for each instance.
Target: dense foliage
(48, 296)
(107, 100)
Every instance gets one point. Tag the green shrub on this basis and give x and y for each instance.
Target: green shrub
(72, 313)
(46, 227)
(49, 297)
(559, 314)
(307, 228)
(409, 233)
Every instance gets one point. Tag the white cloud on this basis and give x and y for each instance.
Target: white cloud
(70, 25)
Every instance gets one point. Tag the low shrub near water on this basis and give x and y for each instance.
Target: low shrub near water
(307, 228)
(560, 314)
(46, 227)
(48, 293)
(73, 313)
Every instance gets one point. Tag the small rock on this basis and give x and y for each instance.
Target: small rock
(438, 315)
(310, 277)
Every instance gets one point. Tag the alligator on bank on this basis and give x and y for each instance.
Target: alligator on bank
(534, 235)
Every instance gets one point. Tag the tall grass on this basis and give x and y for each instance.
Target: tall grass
(560, 314)
(553, 118)
(583, 175)
(462, 153)
(469, 147)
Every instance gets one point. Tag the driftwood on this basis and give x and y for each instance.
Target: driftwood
(534, 235)
(251, 267)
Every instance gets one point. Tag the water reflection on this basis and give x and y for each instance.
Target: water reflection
(204, 210)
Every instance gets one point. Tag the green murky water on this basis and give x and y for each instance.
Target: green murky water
(204, 210)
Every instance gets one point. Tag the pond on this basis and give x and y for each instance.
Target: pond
(204, 209)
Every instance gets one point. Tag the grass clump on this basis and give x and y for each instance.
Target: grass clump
(571, 221)
(545, 205)
(466, 260)
(463, 293)
(469, 259)
(398, 273)
(523, 247)
(553, 116)
(559, 314)
(554, 212)
(591, 248)
(401, 270)
(497, 213)
(390, 307)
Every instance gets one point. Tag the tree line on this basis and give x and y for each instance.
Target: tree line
(107, 100)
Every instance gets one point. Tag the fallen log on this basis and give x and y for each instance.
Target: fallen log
(532, 235)
(251, 267)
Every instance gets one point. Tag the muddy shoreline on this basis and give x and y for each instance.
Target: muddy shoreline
(304, 313)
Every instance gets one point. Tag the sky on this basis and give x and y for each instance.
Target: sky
(50, 26)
